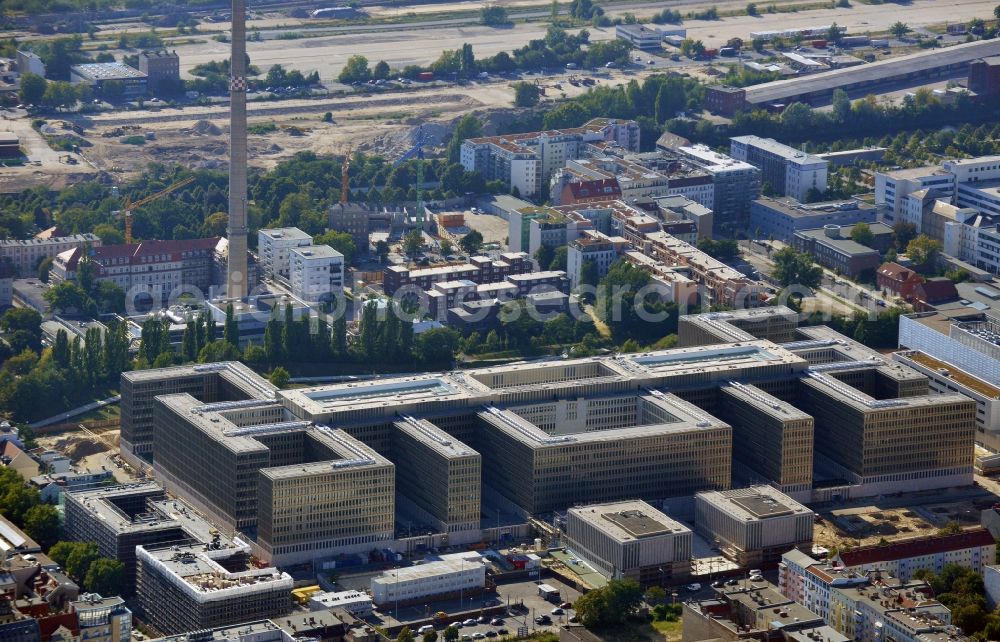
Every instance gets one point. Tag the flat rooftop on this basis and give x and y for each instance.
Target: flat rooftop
(792, 208)
(235, 372)
(199, 569)
(628, 520)
(286, 233)
(106, 71)
(754, 503)
(787, 152)
(433, 437)
(317, 252)
(954, 373)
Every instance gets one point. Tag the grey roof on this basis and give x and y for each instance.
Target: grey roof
(106, 71)
(875, 72)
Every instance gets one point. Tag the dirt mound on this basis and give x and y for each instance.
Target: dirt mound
(205, 128)
(76, 448)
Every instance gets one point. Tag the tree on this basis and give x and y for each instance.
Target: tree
(996, 12)
(559, 258)
(231, 332)
(67, 296)
(899, 29)
(33, 88)
(380, 72)
(923, 251)
(493, 15)
(902, 233)
(862, 233)
(356, 69)
(340, 241)
(220, 350)
(841, 105)
(25, 320)
(796, 268)
(412, 242)
(104, 576)
(468, 127)
(471, 242)
(447, 247)
(450, 634)
(752, 10)
(405, 635)
(279, 377)
(609, 605)
(430, 636)
(112, 90)
(41, 523)
(436, 346)
(526, 94)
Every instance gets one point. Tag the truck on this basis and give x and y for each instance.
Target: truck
(548, 592)
(819, 44)
(727, 52)
(425, 76)
(880, 44)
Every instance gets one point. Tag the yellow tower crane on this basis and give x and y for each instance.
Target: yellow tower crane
(128, 205)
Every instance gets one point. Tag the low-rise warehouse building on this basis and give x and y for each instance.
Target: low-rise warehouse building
(630, 540)
(753, 525)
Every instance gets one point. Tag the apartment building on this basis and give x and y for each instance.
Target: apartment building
(972, 549)
(162, 268)
(526, 161)
(781, 218)
(273, 249)
(25, 255)
(636, 175)
(630, 540)
(316, 272)
(789, 172)
(892, 188)
(479, 269)
(720, 284)
(597, 249)
(191, 588)
(736, 183)
(755, 525)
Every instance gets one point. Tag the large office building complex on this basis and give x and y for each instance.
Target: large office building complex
(630, 540)
(788, 171)
(749, 397)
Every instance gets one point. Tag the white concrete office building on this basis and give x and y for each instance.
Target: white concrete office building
(632, 540)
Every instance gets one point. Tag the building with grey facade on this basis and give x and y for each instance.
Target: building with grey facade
(753, 525)
(630, 540)
(781, 218)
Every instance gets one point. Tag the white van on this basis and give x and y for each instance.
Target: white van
(427, 628)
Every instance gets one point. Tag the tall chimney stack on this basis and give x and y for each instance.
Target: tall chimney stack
(236, 271)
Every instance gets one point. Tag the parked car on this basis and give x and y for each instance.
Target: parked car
(543, 619)
(693, 587)
(503, 632)
(557, 611)
(491, 633)
(427, 628)
(484, 619)
(496, 621)
(470, 622)
(478, 635)
(565, 605)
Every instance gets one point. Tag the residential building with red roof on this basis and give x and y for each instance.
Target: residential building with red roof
(972, 549)
(164, 266)
(932, 292)
(898, 280)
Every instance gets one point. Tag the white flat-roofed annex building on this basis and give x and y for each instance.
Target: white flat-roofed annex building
(450, 575)
(752, 525)
(630, 540)
(357, 603)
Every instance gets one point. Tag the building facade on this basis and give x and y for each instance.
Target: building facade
(788, 171)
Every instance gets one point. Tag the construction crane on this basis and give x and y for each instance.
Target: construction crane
(417, 151)
(128, 205)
